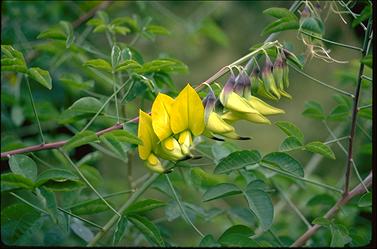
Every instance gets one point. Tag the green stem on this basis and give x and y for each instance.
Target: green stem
(276, 237)
(265, 165)
(364, 107)
(337, 140)
(115, 97)
(34, 109)
(187, 219)
(104, 196)
(321, 82)
(86, 181)
(132, 199)
(292, 205)
(331, 42)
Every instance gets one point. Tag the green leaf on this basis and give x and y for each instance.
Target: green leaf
(17, 221)
(320, 148)
(150, 231)
(278, 12)
(291, 130)
(49, 203)
(209, 241)
(321, 221)
(68, 30)
(285, 162)
(127, 64)
(368, 61)
(23, 165)
(41, 76)
(55, 32)
(340, 112)
(365, 200)
(261, 205)
(17, 115)
(238, 240)
(285, 23)
(121, 30)
(114, 145)
(120, 230)
(313, 109)
(91, 173)
(156, 29)
(366, 113)
(89, 207)
(163, 65)
(82, 107)
(128, 21)
(123, 136)
(221, 190)
(237, 160)
(79, 139)
(144, 206)
(290, 143)
(339, 235)
(238, 235)
(364, 15)
(99, 64)
(59, 180)
(115, 55)
(321, 199)
(204, 179)
(81, 230)
(237, 229)
(312, 24)
(75, 82)
(10, 181)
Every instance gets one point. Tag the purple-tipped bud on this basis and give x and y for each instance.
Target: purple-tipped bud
(242, 83)
(209, 103)
(268, 66)
(229, 85)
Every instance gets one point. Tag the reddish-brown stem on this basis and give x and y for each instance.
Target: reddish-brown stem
(355, 110)
(358, 190)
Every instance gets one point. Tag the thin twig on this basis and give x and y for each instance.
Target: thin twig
(34, 109)
(86, 181)
(184, 215)
(292, 205)
(131, 200)
(331, 42)
(366, 77)
(321, 82)
(358, 190)
(91, 13)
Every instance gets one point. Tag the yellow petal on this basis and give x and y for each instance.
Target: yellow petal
(161, 109)
(146, 135)
(237, 103)
(154, 164)
(264, 108)
(187, 112)
(217, 125)
(252, 117)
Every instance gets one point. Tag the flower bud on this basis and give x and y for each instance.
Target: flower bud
(170, 149)
(185, 140)
(268, 79)
(154, 163)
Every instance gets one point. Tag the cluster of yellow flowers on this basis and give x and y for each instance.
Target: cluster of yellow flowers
(169, 130)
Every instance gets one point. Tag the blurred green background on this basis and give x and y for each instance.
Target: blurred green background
(205, 35)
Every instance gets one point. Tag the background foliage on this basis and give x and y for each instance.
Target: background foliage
(165, 45)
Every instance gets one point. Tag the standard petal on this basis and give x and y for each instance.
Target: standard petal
(187, 112)
(161, 109)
